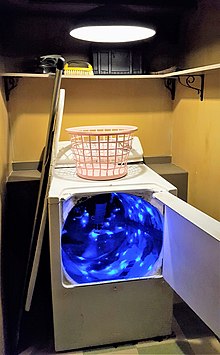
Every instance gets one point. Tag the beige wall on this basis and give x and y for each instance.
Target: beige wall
(4, 138)
(196, 143)
(29, 108)
(196, 124)
(4, 168)
(144, 103)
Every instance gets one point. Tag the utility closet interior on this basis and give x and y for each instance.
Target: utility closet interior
(168, 86)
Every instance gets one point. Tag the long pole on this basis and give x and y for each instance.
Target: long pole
(40, 213)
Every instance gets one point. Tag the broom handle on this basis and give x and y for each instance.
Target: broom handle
(49, 140)
(40, 236)
(40, 214)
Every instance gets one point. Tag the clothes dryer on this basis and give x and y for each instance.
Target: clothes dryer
(115, 246)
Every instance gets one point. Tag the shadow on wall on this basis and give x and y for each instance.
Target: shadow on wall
(116, 96)
(200, 35)
(92, 96)
(4, 171)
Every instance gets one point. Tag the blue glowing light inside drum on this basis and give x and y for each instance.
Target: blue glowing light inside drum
(111, 236)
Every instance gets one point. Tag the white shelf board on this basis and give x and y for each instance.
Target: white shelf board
(27, 75)
(198, 70)
(51, 75)
(112, 76)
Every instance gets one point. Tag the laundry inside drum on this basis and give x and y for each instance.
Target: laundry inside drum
(112, 236)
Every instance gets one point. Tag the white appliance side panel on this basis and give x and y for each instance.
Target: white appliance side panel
(192, 258)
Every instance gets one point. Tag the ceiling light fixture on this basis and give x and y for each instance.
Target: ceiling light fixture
(112, 24)
(112, 33)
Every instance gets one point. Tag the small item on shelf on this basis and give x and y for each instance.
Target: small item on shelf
(118, 61)
(48, 63)
(165, 71)
(78, 67)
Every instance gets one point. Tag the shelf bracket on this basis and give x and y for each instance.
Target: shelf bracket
(170, 84)
(10, 82)
(190, 79)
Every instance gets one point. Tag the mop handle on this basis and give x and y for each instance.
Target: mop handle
(41, 210)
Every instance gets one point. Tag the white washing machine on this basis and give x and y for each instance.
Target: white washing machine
(117, 246)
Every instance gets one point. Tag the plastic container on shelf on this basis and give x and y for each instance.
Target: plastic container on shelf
(101, 152)
(117, 62)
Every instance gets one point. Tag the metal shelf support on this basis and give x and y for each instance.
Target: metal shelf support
(170, 84)
(10, 82)
(189, 80)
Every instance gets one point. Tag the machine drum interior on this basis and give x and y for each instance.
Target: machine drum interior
(112, 236)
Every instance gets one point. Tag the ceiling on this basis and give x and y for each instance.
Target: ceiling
(77, 6)
(31, 28)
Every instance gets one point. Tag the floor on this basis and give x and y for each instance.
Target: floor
(190, 336)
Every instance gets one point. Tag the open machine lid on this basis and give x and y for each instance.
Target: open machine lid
(65, 156)
(191, 262)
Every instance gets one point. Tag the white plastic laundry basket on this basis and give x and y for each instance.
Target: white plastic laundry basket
(101, 152)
